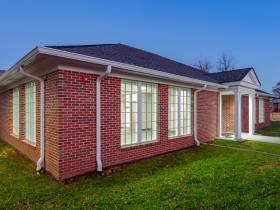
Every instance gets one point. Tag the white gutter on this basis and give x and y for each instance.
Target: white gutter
(85, 58)
(39, 166)
(195, 114)
(98, 124)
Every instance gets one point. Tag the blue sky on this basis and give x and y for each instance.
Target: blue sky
(179, 30)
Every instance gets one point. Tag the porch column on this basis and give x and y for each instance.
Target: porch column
(220, 115)
(252, 115)
(237, 114)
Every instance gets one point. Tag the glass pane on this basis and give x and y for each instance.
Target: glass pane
(144, 88)
(149, 135)
(128, 86)
(154, 88)
(134, 97)
(123, 85)
(149, 88)
(149, 117)
(144, 97)
(154, 98)
(154, 135)
(122, 139)
(134, 107)
(128, 138)
(144, 118)
(134, 87)
(144, 107)
(122, 96)
(134, 117)
(122, 117)
(144, 126)
(144, 136)
(134, 137)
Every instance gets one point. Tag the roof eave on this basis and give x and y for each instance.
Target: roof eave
(20, 63)
(75, 56)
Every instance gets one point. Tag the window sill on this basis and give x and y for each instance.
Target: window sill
(139, 144)
(29, 143)
(14, 135)
(177, 137)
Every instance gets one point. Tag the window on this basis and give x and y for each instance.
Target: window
(30, 111)
(179, 111)
(138, 112)
(261, 110)
(16, 111)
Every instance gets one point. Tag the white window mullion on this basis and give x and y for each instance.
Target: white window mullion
(179, 111)
(139, 112)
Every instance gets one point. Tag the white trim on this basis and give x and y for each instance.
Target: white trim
(219, 115)
(90, 59)
(237, 115)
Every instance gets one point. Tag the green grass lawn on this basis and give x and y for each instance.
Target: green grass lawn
(251, 145)
(272, 130)
(207, 177)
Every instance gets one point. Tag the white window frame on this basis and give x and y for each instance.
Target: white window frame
(139, 112)
(16, 111)
(261, 110)
(179, 112)
(30, 112)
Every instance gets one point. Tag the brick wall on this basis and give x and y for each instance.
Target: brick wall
(6, 115)
(207, 115)
(77, 142)
(70, 124)
(228, 114)
(267, 114)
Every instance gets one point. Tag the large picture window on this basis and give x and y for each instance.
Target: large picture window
(261, 110)
(138, 112)
(30, 111)
(179, 111)
(16, 111)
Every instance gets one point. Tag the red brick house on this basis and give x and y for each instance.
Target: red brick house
(73, 110)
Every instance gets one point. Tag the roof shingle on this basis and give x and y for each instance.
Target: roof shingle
(133, 56)
(2, 72)
(229, 76)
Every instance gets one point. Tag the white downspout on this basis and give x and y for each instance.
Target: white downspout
(42, 117)
(98, 110)
(195, 124)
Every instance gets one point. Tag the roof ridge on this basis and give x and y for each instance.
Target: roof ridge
(66, 46)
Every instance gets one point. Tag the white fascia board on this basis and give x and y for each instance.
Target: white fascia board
(89, 59)
(237, 88)
(21, 62)
(266, 95)
(276, 100)
(242, 83)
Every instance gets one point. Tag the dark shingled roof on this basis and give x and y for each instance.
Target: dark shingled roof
(130, 55)
(260, 91)
(2, 72)
(229, 76)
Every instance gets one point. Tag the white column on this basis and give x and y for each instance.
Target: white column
(252, 113)
(237, 114)
(220, 115)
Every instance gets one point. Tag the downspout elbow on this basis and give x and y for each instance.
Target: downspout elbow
(195, 115)
(98, 123)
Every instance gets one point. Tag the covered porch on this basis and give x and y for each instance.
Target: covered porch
(237, 113)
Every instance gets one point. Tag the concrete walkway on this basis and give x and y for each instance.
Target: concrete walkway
(246, 136)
